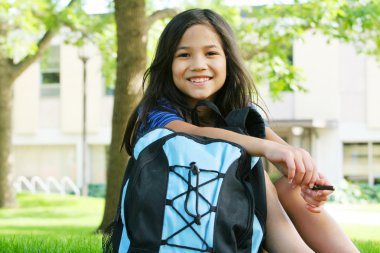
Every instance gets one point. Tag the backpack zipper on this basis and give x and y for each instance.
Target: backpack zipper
(244, 235)
(137, 173)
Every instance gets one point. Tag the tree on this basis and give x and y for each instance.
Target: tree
(265, 35)
(273, 28)
(132, 31)
(38, 21)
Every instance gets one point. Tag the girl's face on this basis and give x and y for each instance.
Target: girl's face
(199, 64)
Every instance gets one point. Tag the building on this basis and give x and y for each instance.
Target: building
(48, 118)
(337, 120)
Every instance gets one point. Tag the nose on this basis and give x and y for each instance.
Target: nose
(198, 63)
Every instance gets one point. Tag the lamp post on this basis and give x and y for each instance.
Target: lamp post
(83, 54)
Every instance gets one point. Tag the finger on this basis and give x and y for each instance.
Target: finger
(317, 204)
(315, 176)
(300, 170)
(313, 209)
(321, 181)
(325, 194)
(309, 171)
(311, 200)
(318, 196)
(309, 167)
(314, 179)
(291, 169)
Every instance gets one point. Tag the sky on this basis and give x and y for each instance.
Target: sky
(100, 6)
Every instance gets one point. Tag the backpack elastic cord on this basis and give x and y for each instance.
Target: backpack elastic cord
(195, 170)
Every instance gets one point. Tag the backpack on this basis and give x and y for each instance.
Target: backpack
(184, 193)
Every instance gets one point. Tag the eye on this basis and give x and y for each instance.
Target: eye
(211, 53)
(183, 55)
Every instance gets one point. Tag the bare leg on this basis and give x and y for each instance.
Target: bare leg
(281, 235)
(319, 230)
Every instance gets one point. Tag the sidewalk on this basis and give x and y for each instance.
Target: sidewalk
(352, 214)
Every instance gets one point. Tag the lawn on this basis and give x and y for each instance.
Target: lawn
(359, 221)
(53, 223)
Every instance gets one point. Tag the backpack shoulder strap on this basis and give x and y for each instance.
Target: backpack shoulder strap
(220, 121)
(247, 119)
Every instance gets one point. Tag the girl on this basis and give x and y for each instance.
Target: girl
(197, 59)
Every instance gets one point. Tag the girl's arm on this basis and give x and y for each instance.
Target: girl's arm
(314, 199)
(310, 168)
(285, 156)
(271, 135)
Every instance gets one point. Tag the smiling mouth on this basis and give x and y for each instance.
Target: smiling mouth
(199, 80)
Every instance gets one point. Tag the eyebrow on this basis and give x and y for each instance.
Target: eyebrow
(208, 46)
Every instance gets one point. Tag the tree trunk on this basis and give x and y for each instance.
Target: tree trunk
(7, 194)
(9, 72)
(131, 62)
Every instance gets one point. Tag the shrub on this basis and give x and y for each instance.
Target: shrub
(349, 192)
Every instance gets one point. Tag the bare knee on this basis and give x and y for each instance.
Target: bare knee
(282, 184)
(285, 191)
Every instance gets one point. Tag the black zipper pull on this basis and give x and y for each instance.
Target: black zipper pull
(194, 168)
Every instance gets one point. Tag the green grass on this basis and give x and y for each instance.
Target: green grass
(365, 231)
(52, 223)
(367, 246)
(50, 243)
(365, 237)
(362, 232)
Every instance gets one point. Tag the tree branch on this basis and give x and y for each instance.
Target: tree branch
(42, 45)
(249, 54)
(164, 13)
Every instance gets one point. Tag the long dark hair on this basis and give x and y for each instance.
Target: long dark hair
(236, 92)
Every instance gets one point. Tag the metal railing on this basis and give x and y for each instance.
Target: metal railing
(50, 184)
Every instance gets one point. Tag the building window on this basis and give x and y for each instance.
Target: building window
(362, 161)
(376, 159)
(50, 73)
(355, 159)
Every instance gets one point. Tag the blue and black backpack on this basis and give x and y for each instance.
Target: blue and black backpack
(184, 193)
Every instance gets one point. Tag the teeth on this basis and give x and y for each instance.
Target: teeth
(199, 80)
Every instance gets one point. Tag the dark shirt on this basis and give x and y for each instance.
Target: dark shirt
(160, 118)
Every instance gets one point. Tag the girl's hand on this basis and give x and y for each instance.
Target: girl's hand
(315, 199)
(295, 163)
